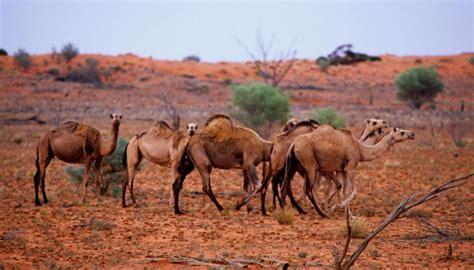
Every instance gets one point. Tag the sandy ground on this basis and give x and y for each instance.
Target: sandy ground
(102, 234)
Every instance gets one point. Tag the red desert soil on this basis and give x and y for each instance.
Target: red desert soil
(102, 234)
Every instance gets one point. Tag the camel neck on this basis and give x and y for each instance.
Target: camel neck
(371, 152)
(365, 135)
(109, 147)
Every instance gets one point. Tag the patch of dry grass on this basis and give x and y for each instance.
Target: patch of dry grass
(284, 216)
(360, 229)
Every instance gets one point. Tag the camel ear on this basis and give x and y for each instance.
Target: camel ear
(120, 117)
(111, 116)
(394, 129)
(196, 126)
(368, 121)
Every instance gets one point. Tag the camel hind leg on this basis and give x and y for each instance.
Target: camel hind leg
(132, 158)
(44, 154)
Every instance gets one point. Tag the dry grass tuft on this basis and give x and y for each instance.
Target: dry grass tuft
(419, 213)
(360, 228)
(284, 216)
(392, 164)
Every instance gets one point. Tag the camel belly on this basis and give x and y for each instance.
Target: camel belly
(223, 157)
(68, 148)
(155, 154)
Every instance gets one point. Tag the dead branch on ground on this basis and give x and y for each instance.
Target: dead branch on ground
(342, 262)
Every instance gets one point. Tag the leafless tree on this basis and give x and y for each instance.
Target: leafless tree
(272, 71)
(344, 262)
(170, 110)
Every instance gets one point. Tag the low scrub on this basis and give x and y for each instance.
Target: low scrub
(329, 116)
(284, 216)
(360, 228)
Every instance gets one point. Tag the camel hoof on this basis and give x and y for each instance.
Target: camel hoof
(178, 212)
(124, 205)
(37, 203)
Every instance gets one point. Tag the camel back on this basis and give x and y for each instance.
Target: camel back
(221, 128)
(161, 129)
(303, 124)
(91, 134)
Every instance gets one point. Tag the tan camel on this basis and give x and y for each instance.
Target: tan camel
(329, 150)
(289, 124)
(224, 145)
(160, 145)
(73, 142)
(280, 149)
(372, 128)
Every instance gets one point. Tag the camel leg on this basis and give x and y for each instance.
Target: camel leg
(98, 178)
(43, 158)
(85, 181)
(251, 173)
(248, 190)
(310, 179)
(263, 192)
(124, 188)
(183, 171)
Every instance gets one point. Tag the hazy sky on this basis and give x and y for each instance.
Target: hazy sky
(172, 30)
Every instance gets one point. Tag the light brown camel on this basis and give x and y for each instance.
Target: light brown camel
(289, 124)
(280, 149)
(331, 150)
(372, 127)
(224, 145)
(160, 145)
(73, 142)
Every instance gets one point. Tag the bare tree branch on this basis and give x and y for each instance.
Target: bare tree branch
(404, 206)
(170, 110)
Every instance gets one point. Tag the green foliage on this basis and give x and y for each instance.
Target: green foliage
(88, 74)
(460, 143)
(323, 63)
(112, 169)
(192, 58)
(53, 72)
(23, 59)
(418, 85)
(329, 116)
(259, 104)
(69, 51)
(3, 52)
(471, 60)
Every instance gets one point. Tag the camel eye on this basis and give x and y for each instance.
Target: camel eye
(120, 117)
(373, 123)
(403, 133)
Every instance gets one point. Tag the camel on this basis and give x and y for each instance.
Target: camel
(160, 145)
(331, 150)
(283, 142)
(289, 124)
(73, 142)
(372, 131)
(224, 145)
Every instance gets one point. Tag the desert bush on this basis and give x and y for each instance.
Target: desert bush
(284, 216)
(53, 72)
(260, 104)
(69, 51)
(418, 85)
(323, 63)
(471, 60)
(3, 52)
(192, 58)
(107, 73)
(23, 59)
(112, 169)
(88, 74)
(329, 116)
(359, 228)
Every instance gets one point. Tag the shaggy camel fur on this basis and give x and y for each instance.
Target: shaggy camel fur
(330, 150)
(73, 142)
(160, 145)
(224, 145)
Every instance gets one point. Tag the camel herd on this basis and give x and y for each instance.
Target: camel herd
(312, 150)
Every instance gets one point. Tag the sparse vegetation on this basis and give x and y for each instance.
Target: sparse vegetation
(359, 228)
(112, 169)
(88, 74)
(419, 213)
(471, 60)
(418, 85)
(323, 63)
(259, 105)
(53, 72)
(3, 52)
(329, 116)
(69, 52)
(23, 59)
(192, 58)
(284, 216)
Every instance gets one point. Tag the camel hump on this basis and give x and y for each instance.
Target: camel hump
(219, 119)
(346, 131)
(161, 129)
(69, 126)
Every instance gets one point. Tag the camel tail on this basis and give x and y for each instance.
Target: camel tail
(290, 165)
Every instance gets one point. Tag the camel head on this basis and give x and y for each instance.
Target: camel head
(191, 128)
(116, 119)
(375, 124)
(399, 135)
(289, 124)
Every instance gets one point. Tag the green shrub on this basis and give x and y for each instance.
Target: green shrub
(53, 72)
(418, 85)
(3, 52)
(329, 116)
(88, 74)
(23, 59)
(260, 104)
(69, 51)
(323, 63)
(471, 60)
(112, 169)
